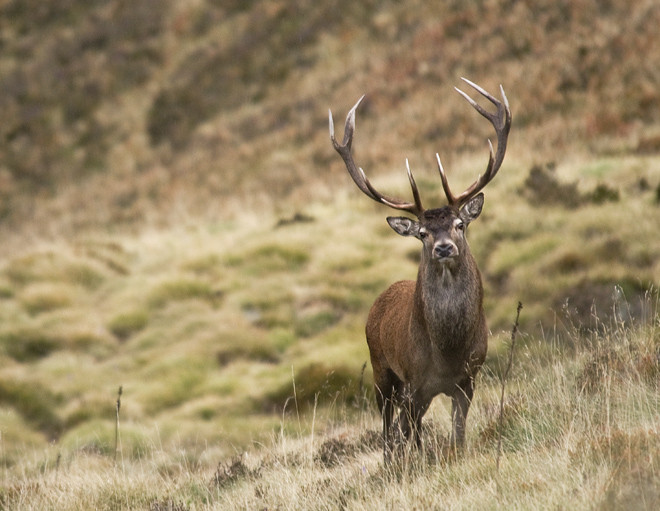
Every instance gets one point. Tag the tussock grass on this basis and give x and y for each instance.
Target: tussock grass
(182, 289)
(126, 324)
(46, 297)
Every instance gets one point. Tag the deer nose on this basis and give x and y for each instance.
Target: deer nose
(444, 250)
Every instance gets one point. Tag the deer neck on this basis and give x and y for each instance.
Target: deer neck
(447, 300)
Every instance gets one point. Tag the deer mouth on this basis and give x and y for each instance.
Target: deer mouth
(445, 262)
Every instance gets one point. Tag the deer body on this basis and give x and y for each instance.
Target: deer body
(429, 336)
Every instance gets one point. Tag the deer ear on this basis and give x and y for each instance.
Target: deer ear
(472, 208)
(404, 226)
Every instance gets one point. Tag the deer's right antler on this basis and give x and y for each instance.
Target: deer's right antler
(358, 175)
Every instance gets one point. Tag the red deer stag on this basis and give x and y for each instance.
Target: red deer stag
(429, 337)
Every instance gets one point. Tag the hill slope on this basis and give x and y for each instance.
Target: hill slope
(116, 114)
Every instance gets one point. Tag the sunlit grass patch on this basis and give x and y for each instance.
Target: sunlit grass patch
(93, 405)
(37, 339)
(210, 265)
(313, 321)
(18, 435)
(514, 254)
(53, 266)
(247, 344)
(44, 297)
(599, 168)
(268, 258)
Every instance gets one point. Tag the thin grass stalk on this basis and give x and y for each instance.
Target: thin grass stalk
(117, 408)
(505, 376)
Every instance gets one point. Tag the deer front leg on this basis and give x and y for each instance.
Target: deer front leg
(410, 417)
(385, 396)
(460, 404)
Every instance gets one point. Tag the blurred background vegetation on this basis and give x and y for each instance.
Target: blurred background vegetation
(173, 218)
(119, 112)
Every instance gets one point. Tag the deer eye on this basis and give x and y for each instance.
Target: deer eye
(423, 233)
(460, 226)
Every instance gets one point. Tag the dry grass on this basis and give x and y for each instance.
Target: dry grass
(579, 431)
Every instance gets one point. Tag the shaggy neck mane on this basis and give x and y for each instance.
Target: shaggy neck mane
(444, 301)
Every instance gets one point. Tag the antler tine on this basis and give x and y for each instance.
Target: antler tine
(344, 149)
(501, 121)
(413, 186)
(358, 175)
(445, 184)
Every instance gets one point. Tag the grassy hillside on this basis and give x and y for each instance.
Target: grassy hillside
(580, 430)
(174, 221)
(237, 337)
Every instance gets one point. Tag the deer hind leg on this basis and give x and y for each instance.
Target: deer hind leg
(460, 404)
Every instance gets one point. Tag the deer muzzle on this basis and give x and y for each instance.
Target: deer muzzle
(444, 250)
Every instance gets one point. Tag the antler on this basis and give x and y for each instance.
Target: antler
(358, 175)
(501, 121)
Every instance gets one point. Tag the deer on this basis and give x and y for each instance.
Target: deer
(429, 336)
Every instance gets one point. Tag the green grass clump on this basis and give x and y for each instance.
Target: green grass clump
(271, 308)
(91, 407)
(34, 340)
(6, 291)
(209, 265)
(316, 384)
(269, 258)
(183, 289)
(27, 344)
(127, 324)
(97, 437)
(35, 403)
(173, 382)
(250, 344)
(46, 297)
(310, 324)
(53, 266)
